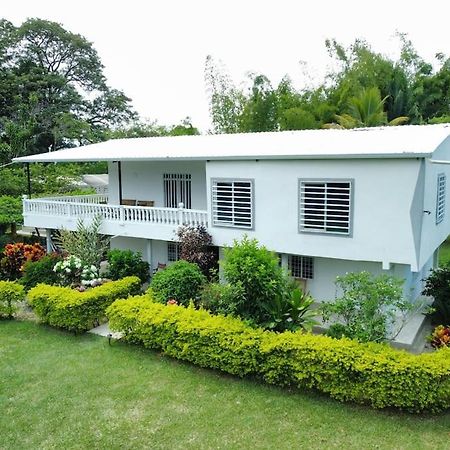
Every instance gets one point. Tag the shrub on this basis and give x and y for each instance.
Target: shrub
(221, 298)
(15, 256)
(86, 243)
(370, 373)
(437, 285)
(292, 311)
(195, 247)
(35, 272)
(181, 281)
(78, 311)
(368, 309)
(125, 263)
(257, 271)
(440, 337)
(10, 294)
(71, 271)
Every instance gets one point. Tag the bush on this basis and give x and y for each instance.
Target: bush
(67, 308)
(10, 294)
(437, 285)
(181, 281)
(15, 256)
(221, 298)
(35, 272)
(257, 271)
(371, 373)
(440, 337)
(368, 309)
(125, 263)
(195, 247)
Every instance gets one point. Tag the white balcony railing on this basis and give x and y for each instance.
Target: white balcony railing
(88, 206)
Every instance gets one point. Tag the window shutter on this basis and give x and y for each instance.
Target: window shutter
(232, 203)
(440, 199)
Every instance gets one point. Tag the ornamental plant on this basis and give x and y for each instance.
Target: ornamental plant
(36, 272)
(14, 257)
(72, 271)
(437, 285)
(440, 337)
(10, 294)
(368, 309)
(125, 263)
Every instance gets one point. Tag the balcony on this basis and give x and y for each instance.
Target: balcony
(118, 220)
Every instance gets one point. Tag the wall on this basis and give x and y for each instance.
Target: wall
(143, 180)
(383, 195)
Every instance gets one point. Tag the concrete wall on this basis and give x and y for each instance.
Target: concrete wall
(383, 195)
(143, 180)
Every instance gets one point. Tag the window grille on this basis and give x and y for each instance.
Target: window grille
(232, 203)
(440, 199)
(177, 189)
(325, 206)
(301, 266)
(173, 251)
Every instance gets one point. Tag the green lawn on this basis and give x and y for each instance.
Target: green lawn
(63, 391)
(444, 253)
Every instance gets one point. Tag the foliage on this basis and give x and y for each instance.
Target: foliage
(41, 271)
(72, 310)
(256, 270)
(54, 93)
(10, 210)
(195, 247)
(440, 337)
(124, 263)
(369, 307)
(372, 374)
(11, 293)
(71, 271)
(181, 281)
(86, 243)
(437, 285)
(219, 298)
(14, 257)
(292, 311)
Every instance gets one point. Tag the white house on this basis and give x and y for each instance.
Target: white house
(328, 201)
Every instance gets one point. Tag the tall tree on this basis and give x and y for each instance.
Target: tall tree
(53, 92)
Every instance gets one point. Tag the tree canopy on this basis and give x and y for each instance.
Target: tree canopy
(366, 88)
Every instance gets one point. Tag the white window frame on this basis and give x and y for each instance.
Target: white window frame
(440, 197)
(173, 251)
(327, 215)
(234, 221)
(177, 189)
(305, 265)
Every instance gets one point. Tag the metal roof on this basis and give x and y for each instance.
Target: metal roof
(407, 141)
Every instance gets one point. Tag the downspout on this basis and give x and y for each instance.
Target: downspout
(119, 167)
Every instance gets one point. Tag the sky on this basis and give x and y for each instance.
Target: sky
(155, 50)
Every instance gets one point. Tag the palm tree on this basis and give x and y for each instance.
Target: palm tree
(366, 110)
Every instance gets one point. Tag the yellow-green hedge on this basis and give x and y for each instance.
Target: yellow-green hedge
(78, 311)
(11, 293)
(372, 374)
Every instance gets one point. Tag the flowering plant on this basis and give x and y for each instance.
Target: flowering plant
(72, 271)
(172, 301)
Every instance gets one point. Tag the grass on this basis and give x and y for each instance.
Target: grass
(444, 253)
(58, 390)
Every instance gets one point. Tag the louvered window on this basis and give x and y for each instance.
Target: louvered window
(301, 266)
(440, 199)
(325, 206)
(232, 203)
(177, 189)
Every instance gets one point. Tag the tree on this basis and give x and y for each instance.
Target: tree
(10, 213)
(53, 91)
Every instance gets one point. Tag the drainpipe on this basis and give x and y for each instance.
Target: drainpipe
(119, 168)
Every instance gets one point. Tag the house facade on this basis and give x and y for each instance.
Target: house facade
(327, 201)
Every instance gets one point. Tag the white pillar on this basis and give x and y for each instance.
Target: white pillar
(48, 235)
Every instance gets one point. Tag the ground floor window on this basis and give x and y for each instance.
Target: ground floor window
(173, 251)
(301, 266)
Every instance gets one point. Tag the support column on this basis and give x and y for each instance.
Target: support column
(48, 235)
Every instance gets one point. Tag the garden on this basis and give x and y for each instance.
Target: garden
(249, 318)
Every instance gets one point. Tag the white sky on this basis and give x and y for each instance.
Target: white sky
(155, 50)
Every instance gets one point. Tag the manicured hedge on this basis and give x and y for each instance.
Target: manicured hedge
(78, 311)
(374, 374)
